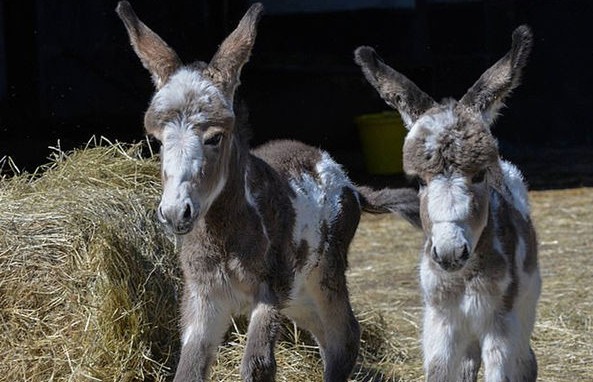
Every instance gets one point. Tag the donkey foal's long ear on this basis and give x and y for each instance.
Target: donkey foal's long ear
(487, 95)
(395, 88)
(233, 53)
(156, 56)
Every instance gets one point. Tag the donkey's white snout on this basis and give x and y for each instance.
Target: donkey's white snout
(180, 217)
(450, 248)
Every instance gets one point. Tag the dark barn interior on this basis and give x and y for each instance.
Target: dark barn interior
(67, 72)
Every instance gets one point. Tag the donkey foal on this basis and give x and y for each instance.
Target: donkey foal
(479, 271)
(266, 232)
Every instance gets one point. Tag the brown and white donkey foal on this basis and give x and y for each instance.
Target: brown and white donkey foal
(265, 232)
(479, 271)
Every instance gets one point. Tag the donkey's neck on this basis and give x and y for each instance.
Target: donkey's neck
(508, 205)
(506, 226)
(231, 203)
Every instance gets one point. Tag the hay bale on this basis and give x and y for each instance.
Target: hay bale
(88, 280)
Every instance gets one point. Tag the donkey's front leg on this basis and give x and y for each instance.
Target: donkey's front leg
(506, 352)
(258, 362)
(442, 347)
(205, 321)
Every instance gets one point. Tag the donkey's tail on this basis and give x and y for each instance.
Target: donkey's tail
(403, 201)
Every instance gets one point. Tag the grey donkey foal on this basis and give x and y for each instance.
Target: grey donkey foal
(265, 232)
(479, 270)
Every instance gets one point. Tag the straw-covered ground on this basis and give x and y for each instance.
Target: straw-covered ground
(89, 282)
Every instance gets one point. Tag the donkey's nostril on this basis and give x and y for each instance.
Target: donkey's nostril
(160, 215)
(434, 254)
(465, 253)
(187, 212)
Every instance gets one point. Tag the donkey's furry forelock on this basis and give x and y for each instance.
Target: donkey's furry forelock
(189, 93)
(448, 138)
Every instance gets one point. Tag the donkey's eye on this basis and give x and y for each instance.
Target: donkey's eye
(213, 140)
(479, 177)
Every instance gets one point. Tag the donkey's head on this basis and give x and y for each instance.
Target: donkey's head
(191, 114)
(450, 149)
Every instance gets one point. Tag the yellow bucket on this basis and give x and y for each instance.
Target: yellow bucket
(382, 136)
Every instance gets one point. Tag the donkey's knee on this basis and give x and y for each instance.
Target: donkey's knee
(194, 362)
(508, 359)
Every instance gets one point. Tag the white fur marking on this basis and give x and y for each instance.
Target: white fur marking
(182, 157)
(253, 203)
(188, 333)
(448, 199)
(516, 185)
(308, 205)
(316, 201)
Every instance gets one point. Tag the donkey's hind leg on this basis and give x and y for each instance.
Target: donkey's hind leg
(340, 340)
(341, 331)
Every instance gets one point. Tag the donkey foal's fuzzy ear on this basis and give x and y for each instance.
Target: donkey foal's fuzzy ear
(395, 88)
(233, 53)
(487, 95)
(156, 56)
